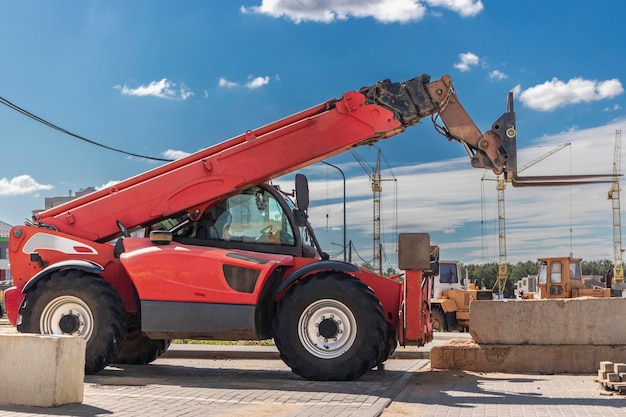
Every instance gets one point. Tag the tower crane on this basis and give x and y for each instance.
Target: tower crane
(376, 180)
(503, 272)
(614, 196)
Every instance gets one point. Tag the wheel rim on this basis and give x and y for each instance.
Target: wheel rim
(67, 315)
(327, 329)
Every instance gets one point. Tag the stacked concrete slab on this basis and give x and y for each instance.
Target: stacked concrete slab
(612, 376)
(539, 336)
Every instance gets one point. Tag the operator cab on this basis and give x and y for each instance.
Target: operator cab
(447, 279)
(258, 219)
(559, 276)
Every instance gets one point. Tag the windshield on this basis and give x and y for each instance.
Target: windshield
(255, 215)
(448, 273)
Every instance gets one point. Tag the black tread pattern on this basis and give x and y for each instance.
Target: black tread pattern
(101, 297)
(139, 349)
(440, 316)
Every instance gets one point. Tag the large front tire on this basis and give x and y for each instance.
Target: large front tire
(75, 303)
(330, 327)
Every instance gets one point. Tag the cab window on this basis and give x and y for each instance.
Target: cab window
(254, 216)
(574, 270)
(448, 273)
(556, 269)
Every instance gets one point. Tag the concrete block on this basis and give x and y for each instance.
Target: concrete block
(41, 370)
(619, 368)
(602, 374)
(612, 377)
(607, 366)
(622, 376)
(575, 321)
(470, 356)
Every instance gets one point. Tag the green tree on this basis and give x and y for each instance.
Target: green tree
(368, 266)
(599, 267)
(389, 272)
(485, 276)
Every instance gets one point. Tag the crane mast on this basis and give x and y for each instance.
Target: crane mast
(377, 189)
(503, 272)
(614, 196)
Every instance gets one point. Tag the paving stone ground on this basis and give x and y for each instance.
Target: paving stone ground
(251, 387)
(242, 387)
(468, 394)
(257, 384)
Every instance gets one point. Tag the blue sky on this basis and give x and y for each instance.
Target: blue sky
(163, 78)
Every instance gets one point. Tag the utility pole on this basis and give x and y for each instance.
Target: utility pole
(344, 205)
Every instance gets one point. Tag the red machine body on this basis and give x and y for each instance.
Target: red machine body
(218, 253)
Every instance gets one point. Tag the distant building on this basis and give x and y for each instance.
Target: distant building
(5, 274)
(526, 285)
(50, 202)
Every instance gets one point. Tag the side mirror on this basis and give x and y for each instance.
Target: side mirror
(300, 217)
(434, 262)
(302, 192)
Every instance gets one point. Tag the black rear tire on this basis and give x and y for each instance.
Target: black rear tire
(438, 318)
(390, 346)
(330, 327)
(139, 349)
(76, 303)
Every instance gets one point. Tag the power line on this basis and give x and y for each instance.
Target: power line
(67, 132)
(358, 255)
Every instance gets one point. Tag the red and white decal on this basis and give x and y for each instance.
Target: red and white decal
(41, 241)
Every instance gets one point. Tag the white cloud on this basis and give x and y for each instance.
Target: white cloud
(20, 185)
(108, 184)
(556, 93)
(516, 90)
(465, 8)
(175, 154)
(257, 82)
(615, 107)
(466, 61)
(161, 89)
(497, 75)
(252, 83)
(223, 82)
(386, 11)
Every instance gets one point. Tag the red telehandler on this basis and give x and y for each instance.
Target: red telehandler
(227, 256)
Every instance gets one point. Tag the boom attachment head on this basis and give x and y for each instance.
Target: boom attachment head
(495, 150)
(511, 169)
(418, 97)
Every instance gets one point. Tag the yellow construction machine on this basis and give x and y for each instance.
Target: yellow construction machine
(561, 277)
(450, 300)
